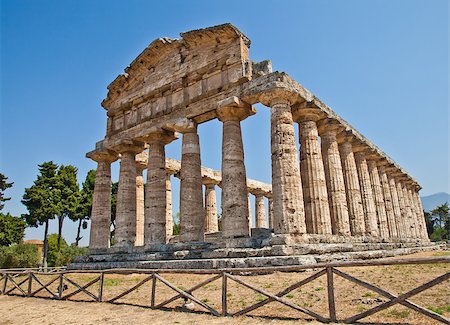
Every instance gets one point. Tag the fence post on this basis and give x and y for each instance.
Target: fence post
(30, 283)
(100, 289)
(61, 284)
(4, 283)
(153, 290)
(330, 289)
(224, 294)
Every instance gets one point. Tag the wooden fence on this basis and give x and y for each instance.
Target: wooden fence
(31, 285)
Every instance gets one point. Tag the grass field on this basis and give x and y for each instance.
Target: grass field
(350, 298)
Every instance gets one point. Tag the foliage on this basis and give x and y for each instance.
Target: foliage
(84, 207)
(176, 224)
(19, 256)
(12, 229)
(67, 252)
(114, 191)
(438, 223)
(3, 187)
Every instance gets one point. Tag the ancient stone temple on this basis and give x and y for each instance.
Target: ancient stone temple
(340, 193)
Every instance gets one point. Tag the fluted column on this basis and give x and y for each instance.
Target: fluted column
(270, 210)
(370, 213)
(403, 229)
(353, 191)
(125, 232)
(335, 180)
(288, 209)
(211, 221)
(377, 190)
(409, 211)
(156, 228)
(260, 212)
(169, 210)
(395, 205)
(420, 214)
(234, 179)
(191, 191)
(101, 201)
(388, 202)
(315, 195)
(140, 221)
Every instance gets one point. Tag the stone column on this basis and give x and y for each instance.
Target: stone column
(270, 209)
(234, 179)
(354, 200)
(370, 212)
(156, 228)
(101, 201)
(409, 211)
(395, 205)
(125, 232)
(403, 230)
(192, 214)
(315, 195)
(260, 212)
(169, 212)
(287, 193)
(420, 214)
(211, 221)
(377, 190)
(250, 222)
(335, 180)
(388, 201)
(139, 207)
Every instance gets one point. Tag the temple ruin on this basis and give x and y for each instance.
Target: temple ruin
(340, 193)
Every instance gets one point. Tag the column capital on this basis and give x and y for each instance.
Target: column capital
(132, 146)
(234, 109)
(161, 136)
(276, 96)
(329, 127)
(302, 113)
(104, 155)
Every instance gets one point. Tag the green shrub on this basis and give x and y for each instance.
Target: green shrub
(68, 254)
(19, 256)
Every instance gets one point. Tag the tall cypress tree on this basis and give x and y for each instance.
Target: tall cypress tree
(42, 201)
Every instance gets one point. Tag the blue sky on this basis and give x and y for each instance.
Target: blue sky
(382, 65)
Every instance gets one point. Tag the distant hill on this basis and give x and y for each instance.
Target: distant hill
(431, 201)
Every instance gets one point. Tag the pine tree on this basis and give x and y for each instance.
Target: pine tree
(3, 187)
(84, 207)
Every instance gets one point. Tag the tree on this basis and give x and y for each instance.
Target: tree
(12, 229)
(69, 196)
(442, 214)
(84, 206)
(42, 200)
(430, 222)
(114, 190)
(3, 187)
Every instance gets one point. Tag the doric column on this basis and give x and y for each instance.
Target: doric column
(409, 211)
(191, 192)
(234, 180)
(139, 207)
(156, 228)
(387, 200)
(125, 232)
(270, 210)
(370, 212)
(420, 214)
(315, 195)
(395, 205)
(335, 178)
(260, 212)
(354, 200)
(403, 230)
(287, 193)
(377, 190)
(211, 221)
(101, 201)
(169, 211)
(250, 222)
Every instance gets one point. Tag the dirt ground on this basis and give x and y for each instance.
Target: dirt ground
(133, 308)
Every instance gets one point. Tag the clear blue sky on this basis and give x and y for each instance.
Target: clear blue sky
(381, 65)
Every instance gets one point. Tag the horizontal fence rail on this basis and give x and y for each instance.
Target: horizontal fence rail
(11, 284)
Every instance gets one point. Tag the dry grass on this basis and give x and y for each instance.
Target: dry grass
(350, 298)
